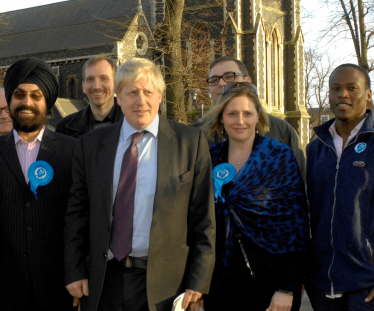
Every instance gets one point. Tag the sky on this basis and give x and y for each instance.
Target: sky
(342, 51)
(12, 5)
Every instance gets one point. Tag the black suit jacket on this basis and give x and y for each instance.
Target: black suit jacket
(182, 239)
(31, 230)
(78, 123)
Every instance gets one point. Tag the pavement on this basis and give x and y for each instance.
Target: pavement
(305, 303)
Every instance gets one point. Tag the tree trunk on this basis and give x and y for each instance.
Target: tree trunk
(363, 61)
(173, 57)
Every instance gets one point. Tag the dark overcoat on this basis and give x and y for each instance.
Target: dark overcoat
(78, 123)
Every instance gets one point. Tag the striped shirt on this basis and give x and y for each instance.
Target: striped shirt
(27, 152)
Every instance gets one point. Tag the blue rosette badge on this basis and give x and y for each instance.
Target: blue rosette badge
(222, 174)
(40, 173)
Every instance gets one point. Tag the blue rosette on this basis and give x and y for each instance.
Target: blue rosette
(222, 174)
(40, 173)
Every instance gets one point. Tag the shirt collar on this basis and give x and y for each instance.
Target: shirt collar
(17, 138)
(357, 128)
(128, 130)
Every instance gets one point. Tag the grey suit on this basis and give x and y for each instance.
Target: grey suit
(182, 238)
(31, 239)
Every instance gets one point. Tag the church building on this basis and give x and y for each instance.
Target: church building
(265, 34)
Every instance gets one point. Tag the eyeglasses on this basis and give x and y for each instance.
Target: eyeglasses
(227, 77)
(231, 86)
(21, 94)
(6, 109)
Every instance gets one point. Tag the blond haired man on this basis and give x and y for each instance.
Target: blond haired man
(129, 244)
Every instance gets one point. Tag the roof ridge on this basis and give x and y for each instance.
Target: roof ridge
(65, 25)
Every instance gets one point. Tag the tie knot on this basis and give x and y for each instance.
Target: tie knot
(136, 137)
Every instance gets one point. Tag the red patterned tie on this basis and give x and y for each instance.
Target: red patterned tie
(121, 244)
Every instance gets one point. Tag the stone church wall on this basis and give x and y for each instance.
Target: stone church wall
(68, 62)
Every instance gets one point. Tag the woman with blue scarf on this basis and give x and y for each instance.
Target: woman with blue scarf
(261, 210)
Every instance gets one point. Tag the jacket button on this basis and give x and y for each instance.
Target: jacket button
(28, 228)
(104, 255)
(28, 204)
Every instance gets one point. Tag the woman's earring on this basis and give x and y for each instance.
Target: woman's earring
(256, 130)
(222, 129)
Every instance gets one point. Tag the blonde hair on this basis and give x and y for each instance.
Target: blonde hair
(212, 120)
(135, 69)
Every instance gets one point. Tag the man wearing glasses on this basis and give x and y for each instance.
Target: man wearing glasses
(35, 167)
(228, 69)
(6, 123)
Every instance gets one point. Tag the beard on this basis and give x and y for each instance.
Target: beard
(28, 124)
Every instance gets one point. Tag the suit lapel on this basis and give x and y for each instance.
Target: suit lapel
(47, 147)
(167, 145)
(9, 153)
(106, 156)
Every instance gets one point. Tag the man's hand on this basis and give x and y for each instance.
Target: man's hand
(280, 302)
(190, 296)
(195, 306)
(77, 290)
(370, 296)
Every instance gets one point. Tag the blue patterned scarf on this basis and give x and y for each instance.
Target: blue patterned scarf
(266, 201)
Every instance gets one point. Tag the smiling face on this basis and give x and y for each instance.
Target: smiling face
(240, 118)
(99, 84)
(6, 123)
(139, 102)
(30, 112)
(219, 70)
(348, 95)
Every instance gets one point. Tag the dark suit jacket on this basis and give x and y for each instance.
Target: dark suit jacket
(78, 123)
(182, 239)
(31, 230)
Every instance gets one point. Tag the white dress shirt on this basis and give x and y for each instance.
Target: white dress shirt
(145, 183)
(338, 140)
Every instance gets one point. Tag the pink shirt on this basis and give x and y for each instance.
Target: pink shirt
(338, 141)
(27, 152)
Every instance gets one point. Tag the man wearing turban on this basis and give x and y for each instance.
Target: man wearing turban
(35, 167)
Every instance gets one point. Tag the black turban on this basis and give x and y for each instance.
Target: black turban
(32, 71)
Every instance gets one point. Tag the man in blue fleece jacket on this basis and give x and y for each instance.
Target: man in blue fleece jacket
(340, 183)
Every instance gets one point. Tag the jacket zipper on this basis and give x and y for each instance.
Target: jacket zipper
(332, 218)
(333, 207)
(244, 254)
(370, 249)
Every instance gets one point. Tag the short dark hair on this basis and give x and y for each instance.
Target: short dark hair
(363, 71)
(223, 59)
(94, 60)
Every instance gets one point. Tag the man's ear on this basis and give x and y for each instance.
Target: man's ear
(83, 83)
(369, 100)
(248, 79)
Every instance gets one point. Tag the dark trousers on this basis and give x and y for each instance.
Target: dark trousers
(350, 301)
(245, 292)
(124, 288)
